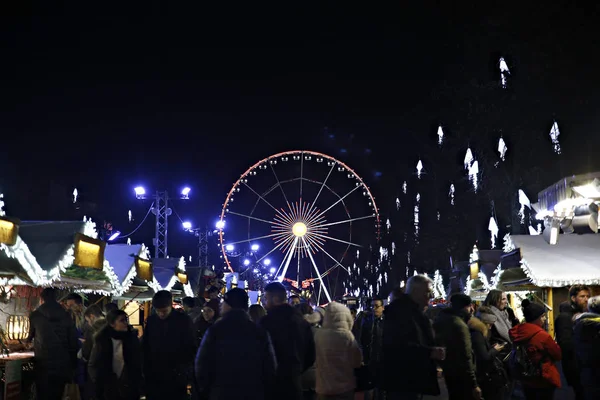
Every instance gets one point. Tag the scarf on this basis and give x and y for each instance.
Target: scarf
(118, 359)
(502, 324)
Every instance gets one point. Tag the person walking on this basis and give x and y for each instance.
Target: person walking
(115, 365)
(292, 340)
(55, 346)
(338, 354)
(235, 337)
(409, 351)
(587, 346)
(168, 347)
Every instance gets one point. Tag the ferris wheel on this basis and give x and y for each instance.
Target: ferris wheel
(297, 216)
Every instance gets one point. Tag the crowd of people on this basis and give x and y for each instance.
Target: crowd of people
(222, 348)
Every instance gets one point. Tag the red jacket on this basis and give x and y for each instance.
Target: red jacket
(542, 347)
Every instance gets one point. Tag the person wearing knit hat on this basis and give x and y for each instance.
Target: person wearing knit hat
(452, 333)
(219, 359)
(542, 351)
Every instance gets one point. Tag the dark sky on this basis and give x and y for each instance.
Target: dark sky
(171, 96)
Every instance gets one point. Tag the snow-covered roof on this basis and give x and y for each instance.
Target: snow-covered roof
(574, 260)
(164, 271)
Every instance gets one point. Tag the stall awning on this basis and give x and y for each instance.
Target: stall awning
(574, 260)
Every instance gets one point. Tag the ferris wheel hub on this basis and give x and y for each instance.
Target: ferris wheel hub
(299, 229)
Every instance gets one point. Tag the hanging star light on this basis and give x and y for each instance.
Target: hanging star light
(128, 241)
(468, 158)
(393, 250)
(440, 134)
(504, 72)
(554, 134)
(75, 195)
(502, 148)
(129, 215)
(397, 203)
(388, 224)
(451, 194)
(473, 172)
(438, 216)
(404, 187)
(524, 201)
(419, 169)
(416, 215)
(493, 228)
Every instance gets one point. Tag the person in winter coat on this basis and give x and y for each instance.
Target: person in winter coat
(292, 340)
(338, 354)
(490, 372)
(236, 360)
(95, 319)
(541, 349)
(256, 312)
(497, 301)
(55, 346)
(168, 346)
(452, 332)
(587, 347)
(409, 353)
(309, 377)
(115, 365)
(563, 327)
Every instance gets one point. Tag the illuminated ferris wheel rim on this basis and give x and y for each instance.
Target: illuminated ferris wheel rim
(302, 218)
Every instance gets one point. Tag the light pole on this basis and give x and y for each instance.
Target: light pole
(162, 212)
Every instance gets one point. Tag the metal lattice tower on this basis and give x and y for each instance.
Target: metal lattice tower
(203, 248)
(162, 211)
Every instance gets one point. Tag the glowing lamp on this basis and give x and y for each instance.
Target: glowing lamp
(143, 269)
(89, 252)
(17, 327)
(299, 229)
(183, 278)
(220, 224)
(9, 230)
(474, 264)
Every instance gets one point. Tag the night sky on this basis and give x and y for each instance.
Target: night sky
(166, 97)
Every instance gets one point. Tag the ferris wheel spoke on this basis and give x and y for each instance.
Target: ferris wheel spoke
(323, 184)
(282, 243)
(337, 263)
(312, 260)
(280, 187)
(254, 218)
(288, 258)
(257, 238)
(338, 201)
(346, 221)
(283, 217)
(261, 197)
(335, 239)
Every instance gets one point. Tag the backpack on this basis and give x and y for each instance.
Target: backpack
(521, 366)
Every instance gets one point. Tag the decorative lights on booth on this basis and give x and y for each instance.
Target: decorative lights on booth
(474, 263)
(17, 327)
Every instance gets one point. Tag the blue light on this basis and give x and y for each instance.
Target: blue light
(246, 262)
(187, 225)
(267, 262)
(254, 247)
(229, 247)
(272, 270)
(114, 236)
(220, 224)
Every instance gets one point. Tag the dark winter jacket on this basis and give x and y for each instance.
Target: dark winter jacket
(108, 386)
(587, 346)
(294, 347)
(542, 350)
(235, 347)
(485, 355)
(90, 333)
(368, 331)
(563, 328)
(452, 332)
(169, 348)
(55, 340)
(406, 349)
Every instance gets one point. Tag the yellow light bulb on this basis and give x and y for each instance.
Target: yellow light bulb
(299, 229)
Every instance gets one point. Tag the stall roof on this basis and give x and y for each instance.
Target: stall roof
(121, 258)
(164, 271)
(574, 260)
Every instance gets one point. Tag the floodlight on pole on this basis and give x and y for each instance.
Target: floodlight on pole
(187, 225)
(114, 236)
(246, 262)
(140, 192)
(254, 247)
(185, 192)
(229, 247)
(267, 262)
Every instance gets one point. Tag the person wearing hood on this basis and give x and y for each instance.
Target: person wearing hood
(409, 353)
(292, 340)
(55, 346)
(563, 327)
(587, 347)
(338, 354)
(541, 349)
(236, 359)
(309, 377)
(452, 333)
(115, 365)
(490, 372)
